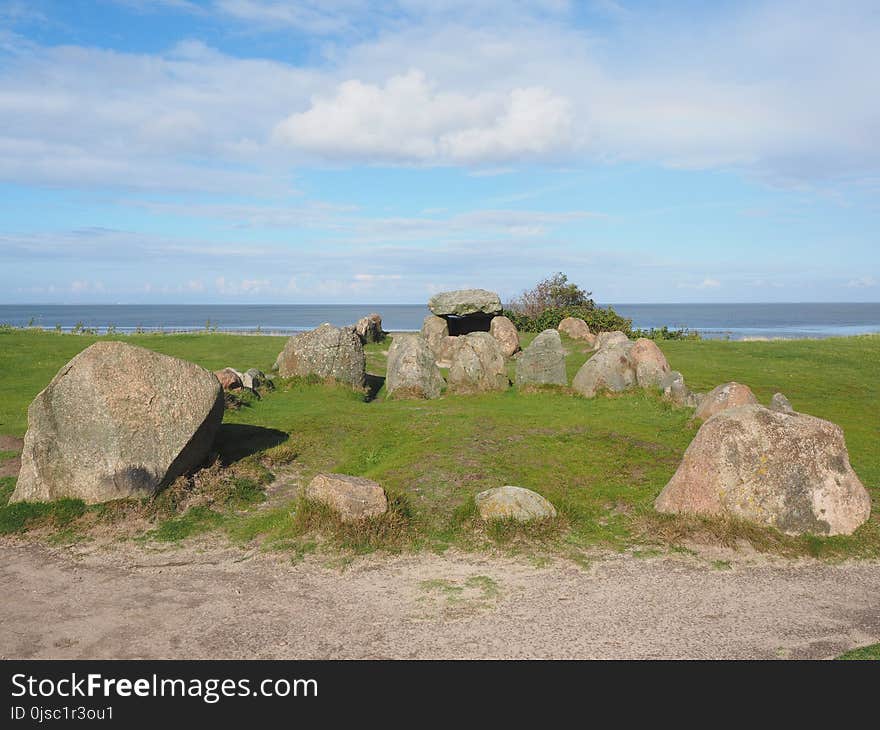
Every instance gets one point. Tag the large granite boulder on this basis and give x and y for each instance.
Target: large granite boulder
(477, 365)
(542, 362)
(412, 372)
(328, 352)
(649, 363)
(610, 369)
(787, 470)
(369, 329)
(516, 503)
(117, 421)
(503, 330)
(610, 339)
(727, 395)
(352, 498)
(230, 379)
(435, 330)
(577, 329)
(465, 302)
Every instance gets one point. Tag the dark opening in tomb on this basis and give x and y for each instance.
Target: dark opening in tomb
(470, 323)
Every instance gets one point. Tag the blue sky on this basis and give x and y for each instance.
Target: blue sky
(260, 151)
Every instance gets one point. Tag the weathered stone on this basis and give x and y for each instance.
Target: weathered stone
(412, 372)
(229, 379)
(435, 330)
(610, 369)
(477, 365)
(503, 330)
(353, 498)
(515, 503)
(780, 403)
(727, 395)
(610, 339)
(649, 363)
(675, 389)
(790, 471)
(577, 329)
(255, 379)
(117, 421)
(542, 362)
(328, 352)
(369, 329)
(464, 302)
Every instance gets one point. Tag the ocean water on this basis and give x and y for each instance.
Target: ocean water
(736, 321)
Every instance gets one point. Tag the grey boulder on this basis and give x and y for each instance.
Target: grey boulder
(465, 302)
(780, 403)
(352, 498)
(412, 372)
(117, 421)
(477, 365)
(369, 329)
(516, 503)
(328, 352)
(542, 362)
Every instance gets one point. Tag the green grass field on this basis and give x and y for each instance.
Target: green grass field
(601, 461)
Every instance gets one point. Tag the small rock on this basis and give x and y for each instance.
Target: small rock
(577, 329)
(353, 498)
(229, 379)
(780, 403)
(369, 329)
(674, 388)
(515, 503)
(542, 362)
(728, 395)
(255, 379)
(503, 330)
(412, 372)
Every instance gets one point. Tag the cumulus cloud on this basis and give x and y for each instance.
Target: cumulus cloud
(862, 282)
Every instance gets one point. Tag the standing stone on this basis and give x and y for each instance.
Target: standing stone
(465, 302)
(790, 471)
(649, 363)
(352, 498)
(503, 330)
(780, 403)
(369, 329)
(516, 503)
(328, 352)
(610, 369)
(117, 421)
(477, 365)
(609, 339)
(412, 372)
(675, 389)
(577, 329)
(435, 330)
(542, 362)
(728, 395)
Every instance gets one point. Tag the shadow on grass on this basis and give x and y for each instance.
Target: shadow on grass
(235, 441)
(374, 384)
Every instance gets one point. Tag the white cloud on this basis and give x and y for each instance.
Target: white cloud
(862, 282)
(707, 283)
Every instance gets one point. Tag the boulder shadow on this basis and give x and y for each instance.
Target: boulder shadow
(235, 441)
(373, 384)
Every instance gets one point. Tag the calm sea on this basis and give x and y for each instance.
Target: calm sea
(711, 320)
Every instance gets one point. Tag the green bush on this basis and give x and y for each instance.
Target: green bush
(598, 319)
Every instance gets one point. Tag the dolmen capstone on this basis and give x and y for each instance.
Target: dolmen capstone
(787, 470)
(457, 313)
(117, 421)
(411, 371)
(542, 362)
(330, 352)
(477, 365)
(369, 329)
(621, 365)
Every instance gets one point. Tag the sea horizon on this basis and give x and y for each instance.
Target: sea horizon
(784, 320)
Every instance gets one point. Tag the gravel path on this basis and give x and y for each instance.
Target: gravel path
(208, 601)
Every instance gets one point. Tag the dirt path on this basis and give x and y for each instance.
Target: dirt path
(205, 601)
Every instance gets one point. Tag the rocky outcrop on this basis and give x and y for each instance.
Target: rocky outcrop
(465, 302)
(477, 365)
(618, 367)
(515, 503)
(352, 498)
(503, 330)
(117, 421)
(789, 471)
(328, 352)
(542, 362)
(577, 329)
(412, 372)
(728, 395)
(369, 329)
